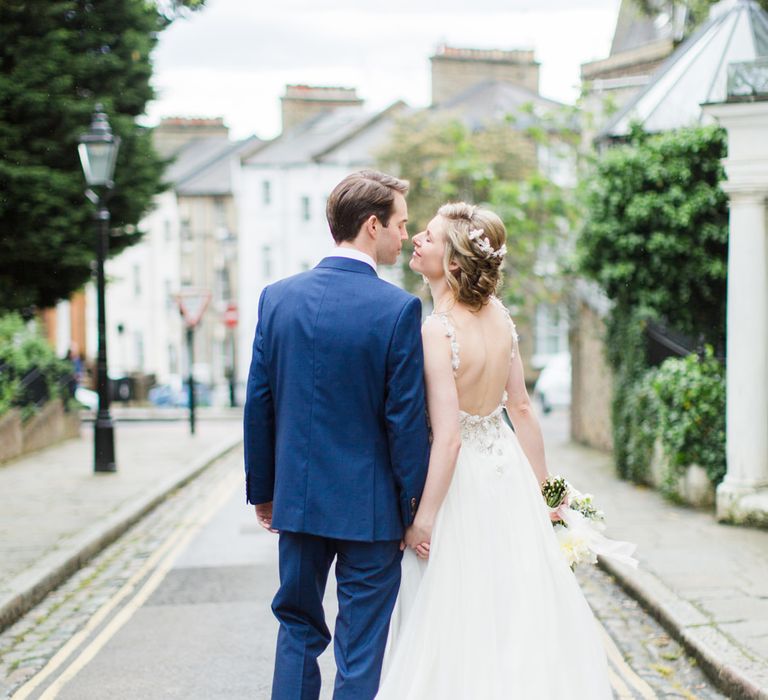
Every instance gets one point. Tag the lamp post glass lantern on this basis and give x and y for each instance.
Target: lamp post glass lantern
(98, 152)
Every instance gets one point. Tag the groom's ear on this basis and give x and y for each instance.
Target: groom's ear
(371, 225)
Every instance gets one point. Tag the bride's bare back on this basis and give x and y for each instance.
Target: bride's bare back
(481, 345)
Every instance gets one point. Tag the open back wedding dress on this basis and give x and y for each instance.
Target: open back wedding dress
(495, 613)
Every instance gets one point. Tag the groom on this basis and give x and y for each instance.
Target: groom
(336, 441)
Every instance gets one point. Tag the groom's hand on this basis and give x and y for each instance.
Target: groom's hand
(264, 515)
(418, 536)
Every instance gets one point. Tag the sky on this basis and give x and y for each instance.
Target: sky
(233, 58)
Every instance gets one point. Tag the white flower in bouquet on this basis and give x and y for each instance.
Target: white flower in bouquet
(579, 529)
(574, 547)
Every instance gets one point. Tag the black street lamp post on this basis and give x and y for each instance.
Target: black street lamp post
(98, 152)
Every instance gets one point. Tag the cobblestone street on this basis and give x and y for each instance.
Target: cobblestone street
(179, 607)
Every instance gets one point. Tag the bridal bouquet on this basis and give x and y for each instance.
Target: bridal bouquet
(579, 530)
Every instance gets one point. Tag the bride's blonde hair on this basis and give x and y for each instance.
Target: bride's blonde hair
(475, 240)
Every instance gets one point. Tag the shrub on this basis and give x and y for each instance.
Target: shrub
(691, 412)
(656, 230)
(21, 350)
(681, 403)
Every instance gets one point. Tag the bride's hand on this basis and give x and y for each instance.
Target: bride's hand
(418, 535)
(554, 515)
(422, 550)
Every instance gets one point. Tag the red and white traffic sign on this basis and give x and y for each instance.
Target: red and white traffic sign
(230, 317)
(192, 303)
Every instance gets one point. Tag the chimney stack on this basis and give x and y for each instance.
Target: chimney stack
(301, 102)
(455, 70)
(174, 132)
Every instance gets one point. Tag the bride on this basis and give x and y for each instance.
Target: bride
(488, 608)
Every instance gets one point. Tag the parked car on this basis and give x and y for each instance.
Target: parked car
(169, 396)
(553, 387)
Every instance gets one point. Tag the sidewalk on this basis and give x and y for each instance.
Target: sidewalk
(706, 582)
(55, 512)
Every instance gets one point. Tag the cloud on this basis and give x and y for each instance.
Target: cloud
(234, 57)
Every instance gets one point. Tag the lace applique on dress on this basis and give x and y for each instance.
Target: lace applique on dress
(512, 327)
(450, 333)
(484, 431)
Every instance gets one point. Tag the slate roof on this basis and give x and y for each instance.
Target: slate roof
(696, 73)
(202, 166)
(343, 134)
(351, 135)
(634, 29)
(493, 100)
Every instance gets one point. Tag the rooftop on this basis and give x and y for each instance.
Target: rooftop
(697, 72)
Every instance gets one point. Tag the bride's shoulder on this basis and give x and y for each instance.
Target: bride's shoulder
(437, 324)
(508, 320)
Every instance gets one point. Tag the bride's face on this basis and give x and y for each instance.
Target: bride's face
(429, 249)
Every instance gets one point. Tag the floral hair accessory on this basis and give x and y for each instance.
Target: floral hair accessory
(484, 244)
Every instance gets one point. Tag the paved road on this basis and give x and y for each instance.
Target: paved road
(179, 608)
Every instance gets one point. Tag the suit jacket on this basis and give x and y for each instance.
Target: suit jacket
(335, 418)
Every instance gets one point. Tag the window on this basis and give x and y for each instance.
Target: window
(551, 329)
(167, 229)
(186, 230)
(223, 287)
(266, 261)
(136, 281)
(305, 210)
(266, 192)
(219, 212)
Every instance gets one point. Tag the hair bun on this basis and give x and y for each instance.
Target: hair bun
(476, 242)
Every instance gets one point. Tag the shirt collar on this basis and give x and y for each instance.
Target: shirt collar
(354, 254)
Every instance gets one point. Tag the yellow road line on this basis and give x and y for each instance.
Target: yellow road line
(170, 549)
(616, 658)
(622, 691)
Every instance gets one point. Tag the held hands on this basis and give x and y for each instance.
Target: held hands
(418, 537)
(264, 516)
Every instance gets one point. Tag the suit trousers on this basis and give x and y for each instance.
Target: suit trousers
(367, 580)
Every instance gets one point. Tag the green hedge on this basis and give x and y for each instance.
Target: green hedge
(682, 403)
(21, 349)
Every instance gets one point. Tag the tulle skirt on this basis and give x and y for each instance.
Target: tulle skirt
(496, 613)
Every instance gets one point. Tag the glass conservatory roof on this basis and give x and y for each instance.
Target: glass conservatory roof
(697, 72)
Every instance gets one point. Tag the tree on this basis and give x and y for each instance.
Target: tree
(57, 59)
(496, 166)
(694, 11)
(656, 229)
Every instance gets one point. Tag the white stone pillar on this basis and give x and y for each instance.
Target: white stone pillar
(743, 495)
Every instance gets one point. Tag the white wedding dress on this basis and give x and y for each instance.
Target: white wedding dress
(495, 613)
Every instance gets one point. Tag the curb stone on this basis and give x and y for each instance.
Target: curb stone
(30, 587)
(733, 670)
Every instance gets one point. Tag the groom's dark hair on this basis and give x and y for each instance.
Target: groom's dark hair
(359, 196)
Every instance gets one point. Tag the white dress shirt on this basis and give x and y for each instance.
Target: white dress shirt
(354, 254)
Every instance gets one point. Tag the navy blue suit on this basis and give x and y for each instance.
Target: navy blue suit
(336, 438)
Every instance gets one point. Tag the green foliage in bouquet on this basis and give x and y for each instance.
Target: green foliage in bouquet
(585, 505)
(554, 490)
